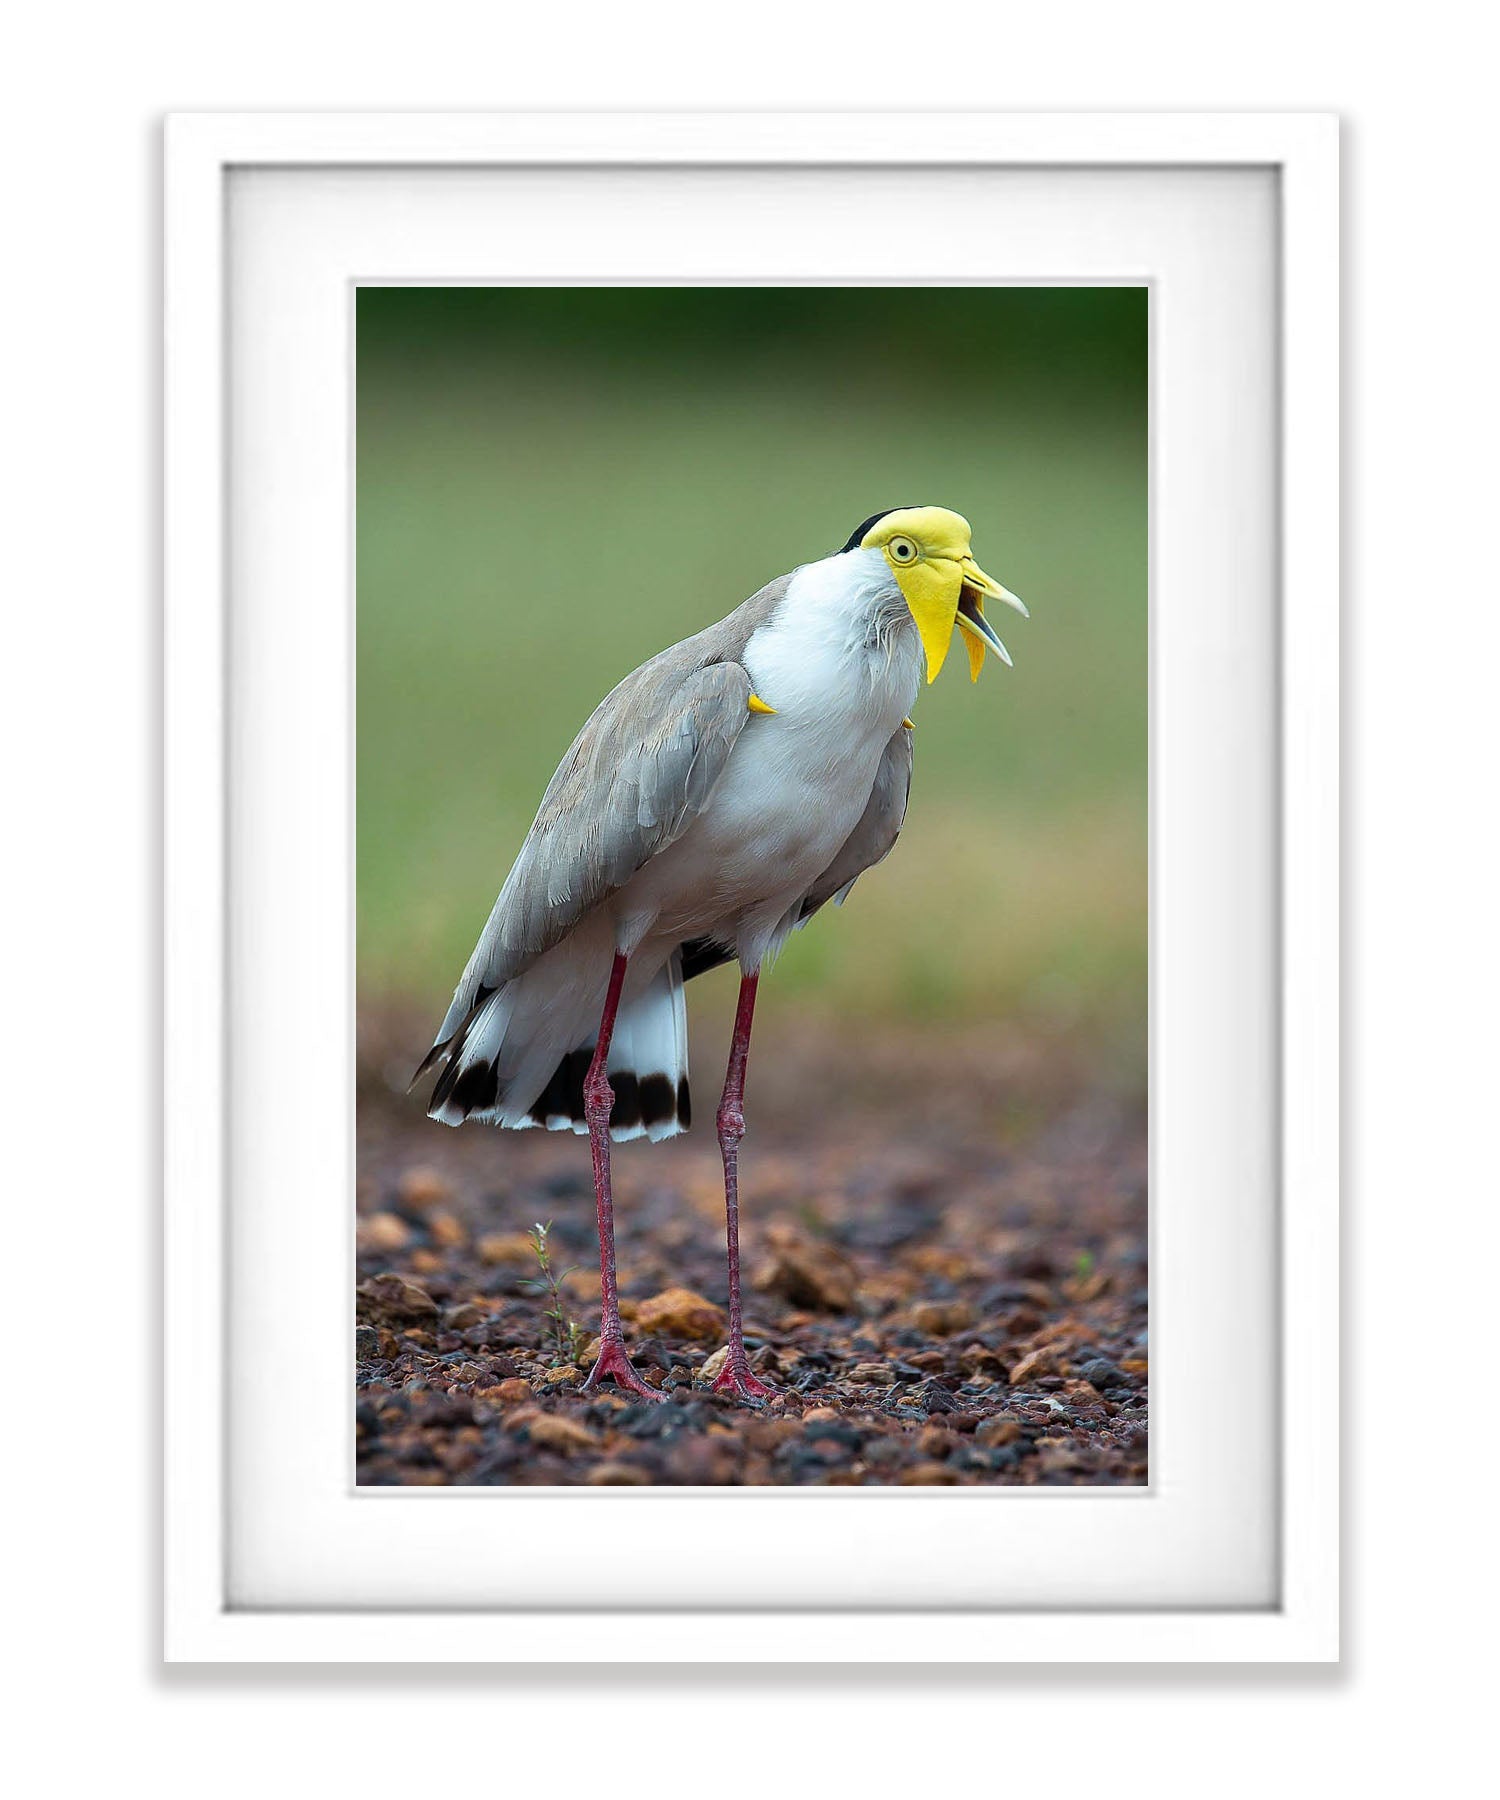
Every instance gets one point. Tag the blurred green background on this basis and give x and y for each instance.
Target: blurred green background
(553, 484)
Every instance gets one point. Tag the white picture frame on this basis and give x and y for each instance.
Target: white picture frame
(206, 1619)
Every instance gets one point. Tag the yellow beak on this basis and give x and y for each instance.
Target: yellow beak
(944, 593)
(977, 630)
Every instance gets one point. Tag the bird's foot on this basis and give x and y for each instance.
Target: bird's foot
(735, 1378)
(612, 1361)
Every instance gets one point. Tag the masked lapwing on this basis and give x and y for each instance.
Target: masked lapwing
(711, 805)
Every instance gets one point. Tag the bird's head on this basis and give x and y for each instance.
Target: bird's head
(927, 550)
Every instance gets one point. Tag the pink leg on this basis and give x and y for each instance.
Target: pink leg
(735, 1376)
(598, 1099)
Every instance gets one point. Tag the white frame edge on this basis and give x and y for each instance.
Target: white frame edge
(201, 149)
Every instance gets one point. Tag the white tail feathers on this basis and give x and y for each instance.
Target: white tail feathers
(506, 1066)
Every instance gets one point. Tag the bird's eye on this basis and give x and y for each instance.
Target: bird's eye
(902, 550)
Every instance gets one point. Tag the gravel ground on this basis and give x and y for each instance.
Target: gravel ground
(944, 1237)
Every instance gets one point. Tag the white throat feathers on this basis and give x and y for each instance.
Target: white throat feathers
(842, 642)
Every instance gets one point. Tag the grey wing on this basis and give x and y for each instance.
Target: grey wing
(875, 834)
(637, 775)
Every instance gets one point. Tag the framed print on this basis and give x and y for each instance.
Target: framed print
(603, 513)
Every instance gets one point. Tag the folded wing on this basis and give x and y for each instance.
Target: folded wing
(637, 775)
(873, 837)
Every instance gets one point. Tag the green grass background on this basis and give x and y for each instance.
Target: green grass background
(554, 484)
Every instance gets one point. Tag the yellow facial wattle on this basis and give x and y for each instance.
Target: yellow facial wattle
(931, 590)
(927, 548)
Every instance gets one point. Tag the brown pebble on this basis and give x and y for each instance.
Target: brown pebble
(979, 1357)
(464, 1318)
(447, 1231)
(617, 1474)
(996, 1431)
(553, 1432)
(566, 1376)
(806, 1272)
(873, 1374)
(932, 1259)
(1040, 1362)
(927, 1474)
(382, 1231)
(934, 1440)
(497, 1247)
(1081, 1393)
(391, 1296)
(680, 1313)
(941, 1318)
(419, 1190)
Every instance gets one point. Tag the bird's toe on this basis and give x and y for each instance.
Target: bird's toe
(612, 1363)
(743, 1385)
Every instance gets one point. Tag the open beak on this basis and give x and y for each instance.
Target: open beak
(979, 634)
(944, 593)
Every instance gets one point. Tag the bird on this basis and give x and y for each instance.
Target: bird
(716, 800)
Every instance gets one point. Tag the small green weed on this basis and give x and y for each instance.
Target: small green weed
(567, 1333)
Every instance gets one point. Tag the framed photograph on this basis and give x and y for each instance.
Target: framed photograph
(610, 1177)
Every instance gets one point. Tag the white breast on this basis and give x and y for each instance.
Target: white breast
(823, 659)
(797, 781)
